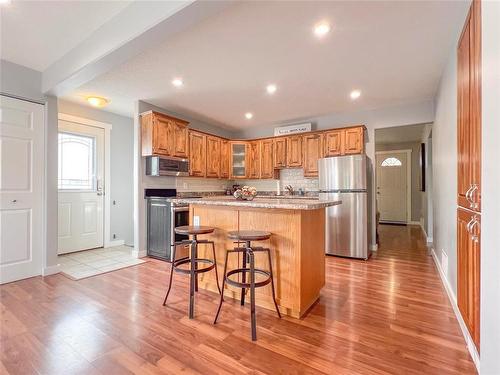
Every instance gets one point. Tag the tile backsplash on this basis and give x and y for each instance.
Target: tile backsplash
(294, 177)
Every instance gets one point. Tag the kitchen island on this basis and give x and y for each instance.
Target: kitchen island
(297, 245)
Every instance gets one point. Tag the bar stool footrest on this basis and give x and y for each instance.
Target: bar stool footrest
(239, 284)
(182, 261)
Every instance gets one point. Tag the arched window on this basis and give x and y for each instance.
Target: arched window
(76, 162)
(391, 162)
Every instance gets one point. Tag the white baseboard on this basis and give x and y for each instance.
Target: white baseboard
(413, 223)
(139, 254)
(374, 247)
(51, 270)
(453, 300)
(114, 243)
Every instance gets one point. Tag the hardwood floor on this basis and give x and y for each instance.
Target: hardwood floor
(389, 315)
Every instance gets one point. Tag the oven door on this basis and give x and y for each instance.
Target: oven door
(179, 216)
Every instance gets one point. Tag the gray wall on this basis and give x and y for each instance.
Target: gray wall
(122, 141)
(19, 81)
(416, 194)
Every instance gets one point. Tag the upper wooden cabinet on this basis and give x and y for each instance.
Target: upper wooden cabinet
(163, 135)
(353, 141)
(225, 155)
(267, 159)
(469, 112)
(213, 156)
(279, 152)
(197, 154)
(468, 269)
(294, 151)
(254, 159)
(313, 150)
(334, 143)
(239, 159)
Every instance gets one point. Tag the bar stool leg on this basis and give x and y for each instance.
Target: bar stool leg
(243, 276)
(272, 282)
(215, 261)
(192, 279)
(252, 294)
(195, 238)
(171, 276)
(223, 284)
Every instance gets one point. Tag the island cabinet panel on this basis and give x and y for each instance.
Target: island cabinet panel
(213, 157)
(353, 141)
(267, 159)
(254, 159)
(197, 154)
(225, 155)
(313, 151)
(163, 135)
(334, 143)
(297, 252)
(294, 151)
(279, 155)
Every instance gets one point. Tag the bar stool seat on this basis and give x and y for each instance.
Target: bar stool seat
(192, 260)
(249, 235)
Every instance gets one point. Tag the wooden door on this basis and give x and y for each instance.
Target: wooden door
(180, 139)
(334, 143)
(468, 269)
(163, 133)
(353, 141)
(279, 148)
(254, 160)
(197, 154)
(294, 151)
(225, 154)
(213, 156)
(313, 150)
(266, 159)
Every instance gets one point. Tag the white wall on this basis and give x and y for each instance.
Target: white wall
(19, 81)
(490, 197)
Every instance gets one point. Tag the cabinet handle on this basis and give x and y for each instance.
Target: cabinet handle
(467, 194)
(469, 225)
(474, 236)
(473, 203)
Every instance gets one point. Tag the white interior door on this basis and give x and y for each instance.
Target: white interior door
(21, 188)
(392, 187)
(80, 183)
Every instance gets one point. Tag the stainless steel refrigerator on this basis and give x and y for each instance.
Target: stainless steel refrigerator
(345, 178)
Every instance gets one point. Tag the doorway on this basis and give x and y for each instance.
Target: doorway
(393, 181)
(81, 181)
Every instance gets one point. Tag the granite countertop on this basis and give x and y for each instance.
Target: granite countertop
(261, 202)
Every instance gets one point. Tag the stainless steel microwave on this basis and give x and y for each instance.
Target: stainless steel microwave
(166, 166)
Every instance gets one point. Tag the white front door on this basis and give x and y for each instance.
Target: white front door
(80, 183)
(21, 188)
(392, 187)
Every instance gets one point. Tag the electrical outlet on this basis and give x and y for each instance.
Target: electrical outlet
(196, 220)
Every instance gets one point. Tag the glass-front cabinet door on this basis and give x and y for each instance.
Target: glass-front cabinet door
(238, 160)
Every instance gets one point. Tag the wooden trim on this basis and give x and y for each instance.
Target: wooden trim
(151, 112)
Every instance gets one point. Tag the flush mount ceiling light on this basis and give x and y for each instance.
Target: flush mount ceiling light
(271, 88)
(97, 101)
(177, 82)
(321, 29)
(355, 94)
(248, 115)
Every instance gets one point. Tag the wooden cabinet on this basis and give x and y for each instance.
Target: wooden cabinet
(334, 143)
(213, 156)
(294, 151)
(197, 154)
(163, 135)
(267, 159)
(469, 112)
(254, 159)
(279, 152)
(225, 155)
(469, 170)
(468, 269)
(353, 141)
(239, 160)
(313, 150)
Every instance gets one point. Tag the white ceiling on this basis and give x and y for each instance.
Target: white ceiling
(393, 51)
(37, 33)
(401, 134)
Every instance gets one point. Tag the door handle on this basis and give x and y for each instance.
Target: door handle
(14, 201)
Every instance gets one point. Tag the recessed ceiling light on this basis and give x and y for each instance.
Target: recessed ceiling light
(321, 29)
(177, 82)
(5, 2)
(97, 101)
(355, 94)
(248, 115)
(271, 89)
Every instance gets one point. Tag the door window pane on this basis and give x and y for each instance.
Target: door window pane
(391, 162)
(76, 162)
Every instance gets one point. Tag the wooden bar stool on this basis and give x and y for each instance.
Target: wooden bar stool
(193, 261)
(248, 251)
